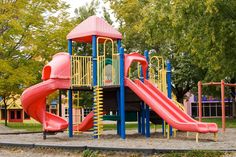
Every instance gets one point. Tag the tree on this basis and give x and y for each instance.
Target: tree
(145, 25)
(206, 29)
(107, 16)
(87, 10)
(185, 74)
(30, 32)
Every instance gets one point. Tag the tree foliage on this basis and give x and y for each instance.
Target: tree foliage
(30, 33)
(203, 30)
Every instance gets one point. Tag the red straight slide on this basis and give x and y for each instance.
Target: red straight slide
(86, 124)
(56, 75)
(166, 109)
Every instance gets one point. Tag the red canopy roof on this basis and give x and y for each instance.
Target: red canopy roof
(93, 25)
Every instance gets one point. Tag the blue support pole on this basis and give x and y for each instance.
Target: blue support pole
(118, 44)
(147, 107)
(169, 88)
(143, 110)
(139, 122)
(163, 127)
(122, 95)
(118, 95)
(70, 101)
(94, 55)
(118, 113)
(142, 118)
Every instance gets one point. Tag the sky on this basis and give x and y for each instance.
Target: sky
(78, 3)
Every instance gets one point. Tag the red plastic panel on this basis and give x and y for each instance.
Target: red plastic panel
(58, 68)
(93, 26)
(135, 57)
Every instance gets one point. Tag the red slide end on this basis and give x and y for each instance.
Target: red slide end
(86, 124)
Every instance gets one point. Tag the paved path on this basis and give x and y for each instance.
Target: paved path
(4, 129)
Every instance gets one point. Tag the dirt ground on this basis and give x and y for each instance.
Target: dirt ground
(226, 141)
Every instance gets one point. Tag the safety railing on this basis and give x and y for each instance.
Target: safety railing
(101, 70)
(157, 72)
(174, 99)
(81, 71)
(107, 68)
(179, 105)
(116, 69)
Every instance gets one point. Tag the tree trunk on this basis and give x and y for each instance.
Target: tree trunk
(5, 110)
(180, 97)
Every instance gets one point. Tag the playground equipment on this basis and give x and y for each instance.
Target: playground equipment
(110, 84)
(34, 98)
(222, 84)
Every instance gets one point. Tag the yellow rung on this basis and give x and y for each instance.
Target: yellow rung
(97, 88)
(98, 110)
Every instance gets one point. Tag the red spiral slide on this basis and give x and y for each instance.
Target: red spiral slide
(56, 75)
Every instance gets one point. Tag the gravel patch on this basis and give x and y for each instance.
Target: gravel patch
(109, 139)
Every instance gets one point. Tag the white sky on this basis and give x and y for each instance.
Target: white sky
(78, 3)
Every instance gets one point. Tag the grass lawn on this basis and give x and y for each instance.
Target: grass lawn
(31, 127)
(193, 153)
(230, 122)
(113, 126)
(127, 126)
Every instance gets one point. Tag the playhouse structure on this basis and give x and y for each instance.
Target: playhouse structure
(107, 74)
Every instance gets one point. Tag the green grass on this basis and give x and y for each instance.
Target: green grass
(25, 126)
(129, 126)
(195, 153)
(229, 122)
(113, 126)
(89, 153)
